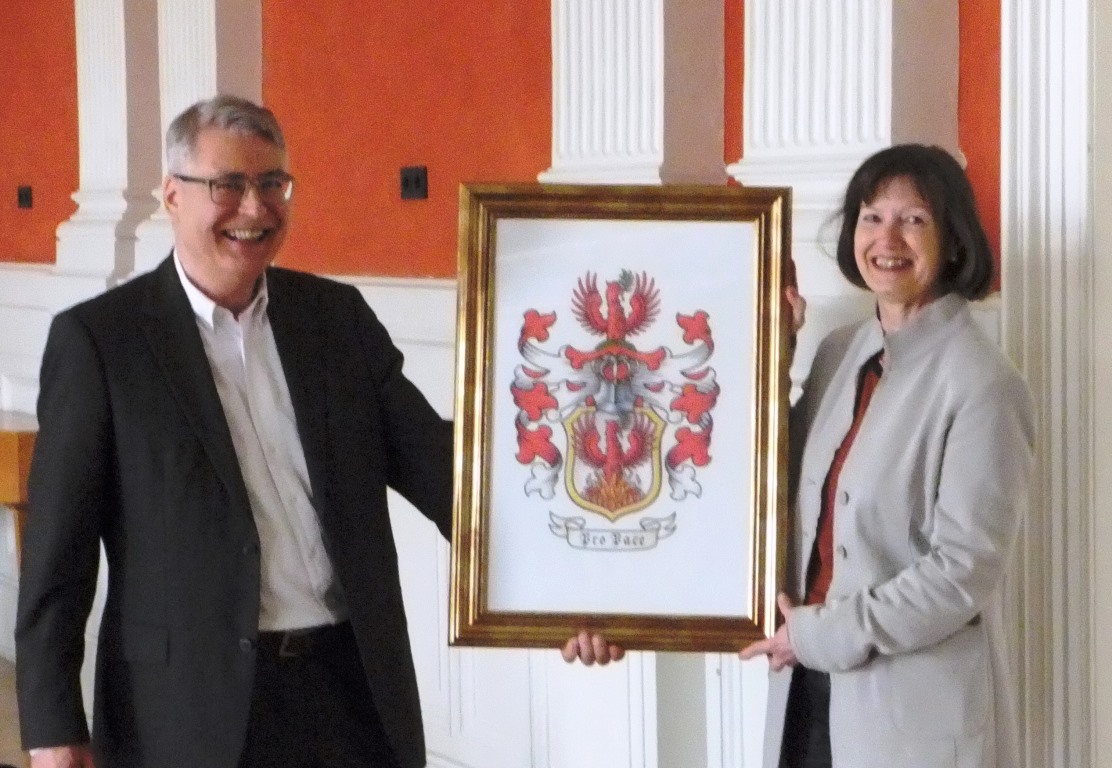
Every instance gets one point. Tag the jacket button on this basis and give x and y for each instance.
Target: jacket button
(246, 644)
(843, 497)
(842, 552)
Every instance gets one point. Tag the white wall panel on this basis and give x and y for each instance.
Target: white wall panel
(9, 579)
(1050, 307)
(1101, 542)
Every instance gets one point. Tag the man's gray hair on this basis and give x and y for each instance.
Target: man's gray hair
(228, 113)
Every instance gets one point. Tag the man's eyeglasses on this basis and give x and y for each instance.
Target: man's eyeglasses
(228, 191)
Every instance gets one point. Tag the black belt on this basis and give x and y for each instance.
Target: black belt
(309, 641)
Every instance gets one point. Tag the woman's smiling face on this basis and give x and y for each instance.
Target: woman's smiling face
(897, 246)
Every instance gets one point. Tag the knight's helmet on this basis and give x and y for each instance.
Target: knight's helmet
(615, 396)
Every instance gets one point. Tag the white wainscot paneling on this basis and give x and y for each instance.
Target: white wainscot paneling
(497, 708)
(475, 702)
(9, 573)
(29, 297)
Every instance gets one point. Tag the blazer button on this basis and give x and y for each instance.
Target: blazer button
(842, 552)
(843, 497)
(246, 644)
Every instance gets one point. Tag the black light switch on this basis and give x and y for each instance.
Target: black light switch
(23, 197)
(415, 182)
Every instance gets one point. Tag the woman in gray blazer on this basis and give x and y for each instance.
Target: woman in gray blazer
(911, 450)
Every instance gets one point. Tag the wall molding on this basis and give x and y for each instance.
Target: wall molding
(636, 92)
(117, 96)
(1047, 265)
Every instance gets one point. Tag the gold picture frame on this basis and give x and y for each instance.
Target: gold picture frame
(621, 415)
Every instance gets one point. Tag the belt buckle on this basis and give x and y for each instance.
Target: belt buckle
(291, 646)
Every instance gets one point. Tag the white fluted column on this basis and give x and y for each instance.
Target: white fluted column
(205, 47)
(117, 107)
(828, 84)
(1048, 307)
(636, 91)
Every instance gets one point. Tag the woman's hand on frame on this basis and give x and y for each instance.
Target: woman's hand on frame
(777, 648)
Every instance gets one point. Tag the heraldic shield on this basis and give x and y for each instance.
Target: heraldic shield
(614, 464)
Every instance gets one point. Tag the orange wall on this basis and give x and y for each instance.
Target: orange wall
(735, 79)
(979, 108)
(38, 125)
(364, 89)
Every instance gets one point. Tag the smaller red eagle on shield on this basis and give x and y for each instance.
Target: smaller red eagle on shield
(615, 472)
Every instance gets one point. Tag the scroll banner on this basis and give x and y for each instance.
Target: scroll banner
(575, 531)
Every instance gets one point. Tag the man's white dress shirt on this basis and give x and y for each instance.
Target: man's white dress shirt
(298, 586)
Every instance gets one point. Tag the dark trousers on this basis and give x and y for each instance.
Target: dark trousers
(311, 706)
(807, 721)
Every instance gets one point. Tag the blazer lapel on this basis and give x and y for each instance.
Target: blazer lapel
(171, 330)
(299, 339)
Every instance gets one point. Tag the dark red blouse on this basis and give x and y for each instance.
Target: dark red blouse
(820, 568)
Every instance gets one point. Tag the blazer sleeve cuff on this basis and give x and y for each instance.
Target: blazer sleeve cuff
(822, 640)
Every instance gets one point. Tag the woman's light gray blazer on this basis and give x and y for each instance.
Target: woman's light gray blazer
(926, 512)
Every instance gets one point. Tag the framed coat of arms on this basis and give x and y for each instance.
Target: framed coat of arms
(621, 415)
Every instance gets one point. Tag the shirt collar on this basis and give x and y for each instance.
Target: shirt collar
(206, 309)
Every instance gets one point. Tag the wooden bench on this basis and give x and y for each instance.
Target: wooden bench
(17, 441)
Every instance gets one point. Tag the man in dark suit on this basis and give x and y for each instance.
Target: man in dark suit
(227, 429)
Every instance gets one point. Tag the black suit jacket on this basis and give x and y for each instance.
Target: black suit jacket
(134, 451)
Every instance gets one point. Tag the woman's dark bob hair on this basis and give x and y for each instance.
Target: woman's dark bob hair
(967, 262)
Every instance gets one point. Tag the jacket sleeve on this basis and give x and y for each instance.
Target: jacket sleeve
(981, 498)
(419, 442)
(69, 489)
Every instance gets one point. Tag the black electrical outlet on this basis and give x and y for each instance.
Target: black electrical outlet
(23, 197)
(415, 182)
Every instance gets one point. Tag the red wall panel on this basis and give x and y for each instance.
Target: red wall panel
(979, 108)
(38, 125)
(735, 79)
(366, 88)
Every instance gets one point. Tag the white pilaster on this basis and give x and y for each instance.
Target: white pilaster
(737, 731)
(205, 47)
(636, 92)
(117, 101)
(1101, 542)
(1048, 307)
(827, 85)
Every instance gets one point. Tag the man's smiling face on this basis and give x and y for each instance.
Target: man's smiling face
(225, 249)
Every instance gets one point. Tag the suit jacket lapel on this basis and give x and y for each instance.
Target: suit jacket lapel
(171, 330)
(300, 339)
